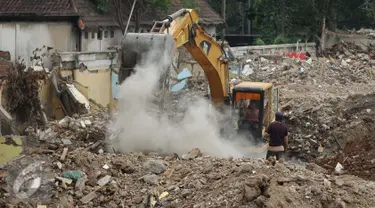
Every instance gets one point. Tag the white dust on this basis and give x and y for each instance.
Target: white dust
(141, 130)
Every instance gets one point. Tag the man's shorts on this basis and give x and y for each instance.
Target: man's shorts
(278, 155)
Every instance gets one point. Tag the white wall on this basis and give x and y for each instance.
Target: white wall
(210, 30)
(91, 41)
(274, 49)
(21, 38)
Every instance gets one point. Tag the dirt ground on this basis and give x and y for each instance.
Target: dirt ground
(152, 180)
(328, 103)
(329, 107)
(358, 155)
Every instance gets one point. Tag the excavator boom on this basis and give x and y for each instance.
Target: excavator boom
(182, 28)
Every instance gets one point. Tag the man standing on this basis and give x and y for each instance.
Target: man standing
(277, 133)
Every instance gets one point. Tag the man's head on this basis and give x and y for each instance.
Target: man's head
(279, 116)
(252, 105)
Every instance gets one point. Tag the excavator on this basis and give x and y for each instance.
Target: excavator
(182, 29)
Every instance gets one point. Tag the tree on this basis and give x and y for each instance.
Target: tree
(122, 10)
(158, 8)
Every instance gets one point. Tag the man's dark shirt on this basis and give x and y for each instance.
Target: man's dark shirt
(277, 131)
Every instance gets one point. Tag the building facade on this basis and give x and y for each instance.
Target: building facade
(26, 27)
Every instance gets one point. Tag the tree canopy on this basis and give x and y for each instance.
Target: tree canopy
(279, 21)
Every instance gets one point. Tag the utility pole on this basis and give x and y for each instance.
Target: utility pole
(248, 20)
(323, 33)
(242, 10)
(223, 10)
(282, 7)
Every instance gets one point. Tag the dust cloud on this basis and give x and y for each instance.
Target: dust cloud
(142, 130)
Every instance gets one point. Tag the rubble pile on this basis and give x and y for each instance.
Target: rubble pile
(177, 102)
(314, 96)
(369, 33)
(357, 156)
(347, 50)
(87, 179)
(84, 130)
(320, 72)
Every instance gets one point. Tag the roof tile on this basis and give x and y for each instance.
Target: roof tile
(36, 7)
(207, 15)
(87, 10)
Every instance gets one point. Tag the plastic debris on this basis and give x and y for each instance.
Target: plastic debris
(73, 174)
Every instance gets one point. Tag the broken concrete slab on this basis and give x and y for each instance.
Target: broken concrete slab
(86, 199)
(155, 166)
(66, 141)
(104, 181)
(64, 153)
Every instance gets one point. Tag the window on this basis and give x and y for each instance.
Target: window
(106, 34)
(86, 35)
(100, 35)
(92, 35)
(112, 34)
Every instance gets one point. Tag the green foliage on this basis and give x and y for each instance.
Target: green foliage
(102, 6)
(281, 40)
(259, 41)
(191, 4)
(158, 4)
(281, 21)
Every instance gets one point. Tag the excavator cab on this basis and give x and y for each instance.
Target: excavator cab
(255, 105)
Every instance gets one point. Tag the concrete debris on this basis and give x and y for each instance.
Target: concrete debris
(155, 166)
(151, 179)
(86, 199)
(63, 155)
(231, 182)
(104, 181)
(326, 101)
(106, 166)
(194, 153)
(318, 103)
(66, 141)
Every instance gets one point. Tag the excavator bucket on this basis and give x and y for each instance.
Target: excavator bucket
(138, 48)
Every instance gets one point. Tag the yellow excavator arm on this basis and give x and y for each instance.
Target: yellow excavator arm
(183, 27)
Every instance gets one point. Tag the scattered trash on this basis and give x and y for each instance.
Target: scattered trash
(179, 86)
(163, 195)
(320, 148)
(339, 168)
(106, 166)
(64, 180)
(185, 73)
(73, 174)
